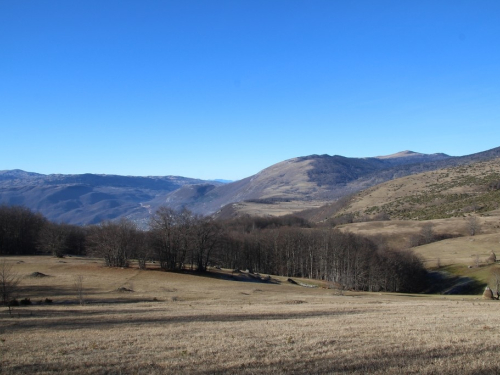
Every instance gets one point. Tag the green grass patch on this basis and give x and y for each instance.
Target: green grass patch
(482, 275)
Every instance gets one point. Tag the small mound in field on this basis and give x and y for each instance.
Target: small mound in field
(123, 289)
(38, 274)
(291, 281)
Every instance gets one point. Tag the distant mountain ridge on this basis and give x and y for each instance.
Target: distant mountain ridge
(443, 193)
(149, 182)
(412, 154)
(86, 198)
(91, 198)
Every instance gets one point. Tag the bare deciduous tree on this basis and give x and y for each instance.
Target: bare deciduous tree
(476, 260)
(206, 237)
(170, 236)
(9, 280)
(114, 242)
(473, 225)
(427, 233)
(52, 239)
(19, 230)
(78, 285)
(142, 251)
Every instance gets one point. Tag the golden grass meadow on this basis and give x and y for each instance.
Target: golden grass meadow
(153, 322)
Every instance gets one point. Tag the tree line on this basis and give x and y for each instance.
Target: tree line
(179, 240)
(23, 232)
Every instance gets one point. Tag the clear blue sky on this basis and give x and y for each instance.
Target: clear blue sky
(223, 89)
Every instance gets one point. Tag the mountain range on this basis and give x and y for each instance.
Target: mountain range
(285, 187)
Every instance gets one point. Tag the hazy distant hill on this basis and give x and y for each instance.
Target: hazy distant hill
(86, 198)
(291, 185)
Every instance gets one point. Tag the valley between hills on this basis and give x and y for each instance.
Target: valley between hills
(391, 199)
(82, 317)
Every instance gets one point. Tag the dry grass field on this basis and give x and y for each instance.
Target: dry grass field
(274, 209)
(460, 250)
(171, 323)
(456, 250)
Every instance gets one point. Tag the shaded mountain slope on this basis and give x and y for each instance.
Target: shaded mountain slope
(448, 192)
(319, 178)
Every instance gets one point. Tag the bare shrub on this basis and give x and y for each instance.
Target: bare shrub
(79, 289)
(9, 281)
(476, 260)
(427, 233)
(113, 241)
(473, 225)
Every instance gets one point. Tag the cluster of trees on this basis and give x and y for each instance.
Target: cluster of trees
(286, 246)
(177, 240)
(348, 260)
(427, 236)
(19, 230)
(23, 232)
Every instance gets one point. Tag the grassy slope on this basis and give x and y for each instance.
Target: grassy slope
(267, 209)
(446, 199)
(398, 232)
(450, 192)
(459, 251)
(218, 326)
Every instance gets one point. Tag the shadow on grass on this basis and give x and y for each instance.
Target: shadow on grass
(79, 319)
(332, 358)
(443, 282)
(440, 360)
(234, 276)
(47, 291)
